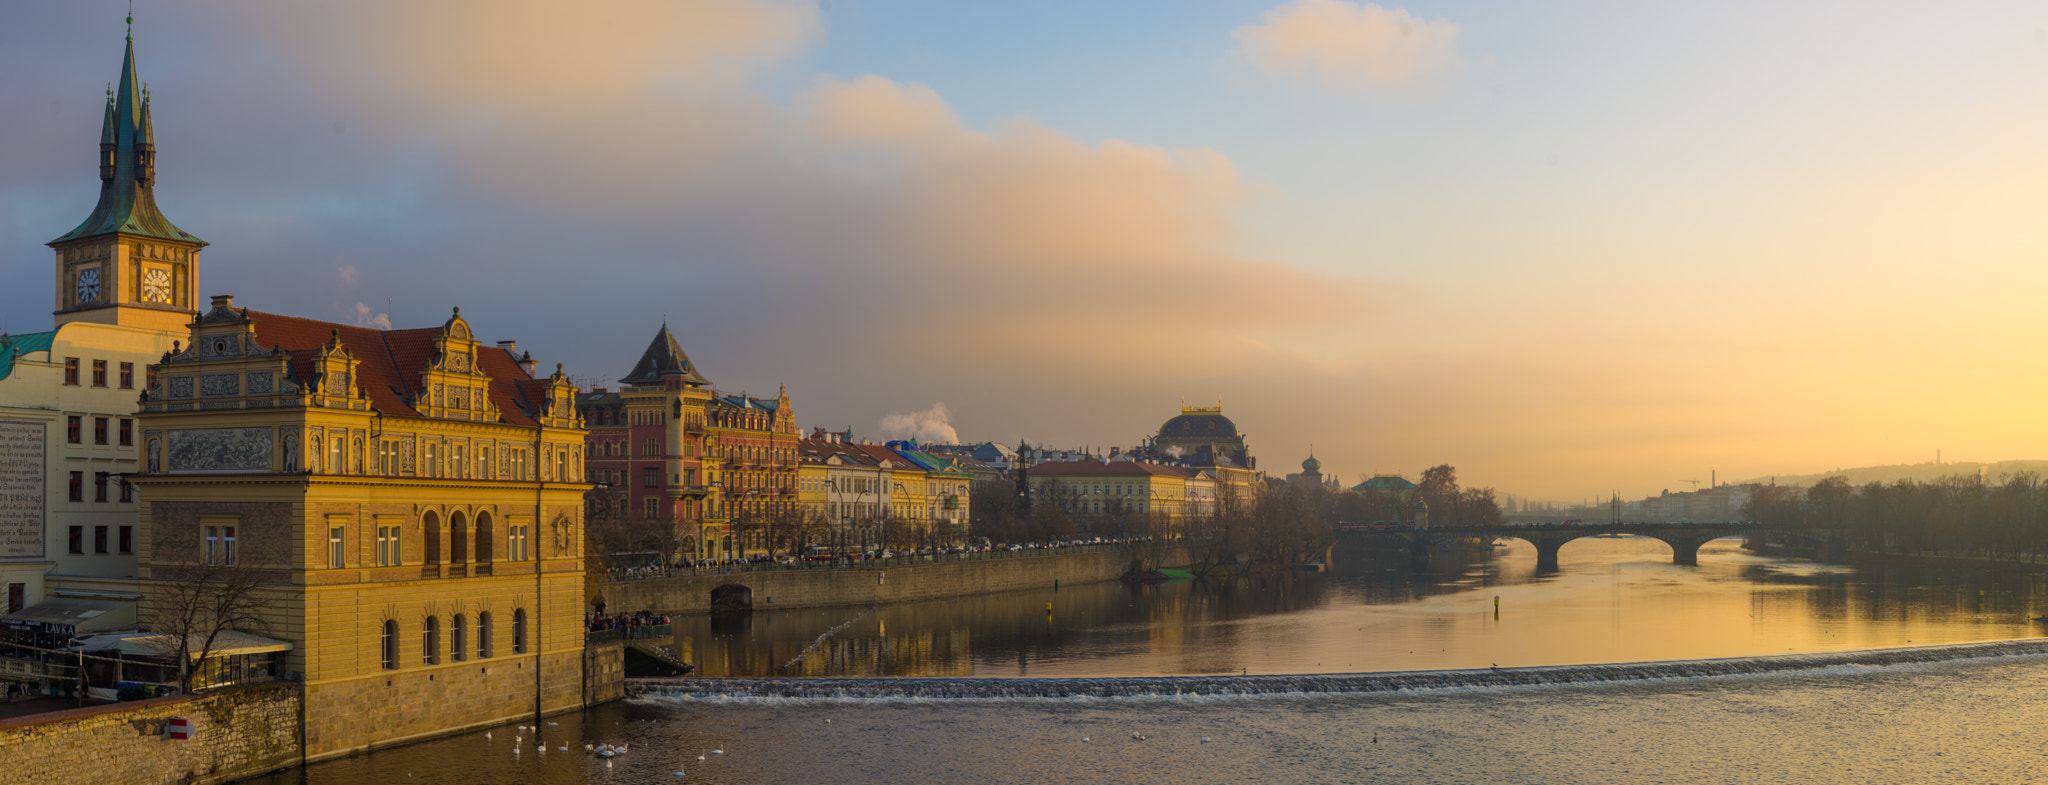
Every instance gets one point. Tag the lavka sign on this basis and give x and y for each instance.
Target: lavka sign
(22, 482)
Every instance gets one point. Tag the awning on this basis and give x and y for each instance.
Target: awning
(151, 644)
(83, 616)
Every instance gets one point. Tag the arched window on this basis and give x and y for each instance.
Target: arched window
(430, 641)
(483, 635)
(430, 527)
(483, 537)
(519, 631)
(391, 645)
(458, 539)
(458, 638)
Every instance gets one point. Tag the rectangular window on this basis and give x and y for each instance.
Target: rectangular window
(127, 539)
(77, 539)
(458, 643)
(149, 380)
(519, 543)
(212, 544)
(335, 556)
(71, 371)
(127, 376)
(127, 491)
(339, 451)
(127, 432)
(99, 486)
(17, 596)
(74, 430)
(99, 373)
(650, 477)
(483, 463)
(78, 486)
(483, 635)
(428, 464)
(99, 539)
(99, 430)
(227, 545)
(653, 508)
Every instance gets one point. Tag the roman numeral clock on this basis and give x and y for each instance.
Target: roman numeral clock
(156, 286)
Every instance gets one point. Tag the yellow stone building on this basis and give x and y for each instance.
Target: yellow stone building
(1097, 488)
(413, 499)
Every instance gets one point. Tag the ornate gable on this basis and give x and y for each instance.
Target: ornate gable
(453, 385)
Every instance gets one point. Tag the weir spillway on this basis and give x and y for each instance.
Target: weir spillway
(918, 688)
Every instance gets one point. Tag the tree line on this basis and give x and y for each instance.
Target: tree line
(1962, 514)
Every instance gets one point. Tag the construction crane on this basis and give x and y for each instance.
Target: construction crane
(1695, 484)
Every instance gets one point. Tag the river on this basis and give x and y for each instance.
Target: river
(1613, 601)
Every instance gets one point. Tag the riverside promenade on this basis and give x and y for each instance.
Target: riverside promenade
(881, 581)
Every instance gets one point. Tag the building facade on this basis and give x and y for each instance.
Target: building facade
(125, 282)
(412, 501)
(685, 464)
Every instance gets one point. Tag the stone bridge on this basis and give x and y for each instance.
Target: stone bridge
(1684, 538)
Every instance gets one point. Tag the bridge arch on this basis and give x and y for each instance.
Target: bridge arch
(732, 596)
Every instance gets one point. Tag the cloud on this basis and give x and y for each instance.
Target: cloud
(1344, 44)
(348, 275)
(365, 317)
(928, 427)
(571, 181)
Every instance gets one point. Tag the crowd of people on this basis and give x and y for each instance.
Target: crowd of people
(598, 622)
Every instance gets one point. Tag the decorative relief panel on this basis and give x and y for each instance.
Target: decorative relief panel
(405, 453)
(259, 382)
(220, 450)
(337, 383)
(459, 362)
(219, 385)
(179, 386)
(219, 346)
(438, 400)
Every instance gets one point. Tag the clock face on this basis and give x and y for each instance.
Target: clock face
(156, 286)
(89, 285)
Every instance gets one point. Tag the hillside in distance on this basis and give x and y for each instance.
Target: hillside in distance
(1917, 472)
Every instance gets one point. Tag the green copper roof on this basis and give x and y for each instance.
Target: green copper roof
(13, 345)
(127, 182)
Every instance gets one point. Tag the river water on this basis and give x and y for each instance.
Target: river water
(1614, 601)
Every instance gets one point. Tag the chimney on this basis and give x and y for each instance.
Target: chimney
(526, 363)
(223, 301)
(510, 347)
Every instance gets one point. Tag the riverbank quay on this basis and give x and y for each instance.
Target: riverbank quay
(229, 734)
(882, 581)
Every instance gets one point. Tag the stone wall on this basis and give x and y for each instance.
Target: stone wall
(812, 588)
(236, 733)
(604, 672)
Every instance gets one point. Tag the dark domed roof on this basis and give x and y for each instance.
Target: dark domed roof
(1311, 464)
(1199, 425)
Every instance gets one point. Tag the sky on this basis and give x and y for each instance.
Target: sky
(1570, 248)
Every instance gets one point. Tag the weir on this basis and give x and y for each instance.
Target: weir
(700, 689)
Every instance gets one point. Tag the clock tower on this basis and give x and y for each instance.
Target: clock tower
(127, 264)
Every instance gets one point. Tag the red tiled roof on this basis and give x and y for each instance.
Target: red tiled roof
(390, 362)
(1119, 468)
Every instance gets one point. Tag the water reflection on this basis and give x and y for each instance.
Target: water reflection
(1615, 600)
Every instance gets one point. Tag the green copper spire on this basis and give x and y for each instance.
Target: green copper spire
(128, 167)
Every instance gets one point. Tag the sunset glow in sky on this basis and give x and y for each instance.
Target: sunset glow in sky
(1570, 249)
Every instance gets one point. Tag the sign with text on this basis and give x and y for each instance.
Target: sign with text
(22, 482)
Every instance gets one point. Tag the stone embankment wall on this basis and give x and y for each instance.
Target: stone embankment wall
(604, 672)
(815, 588)
(236, 733)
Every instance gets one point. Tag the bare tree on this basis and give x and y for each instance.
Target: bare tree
(194, 604)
